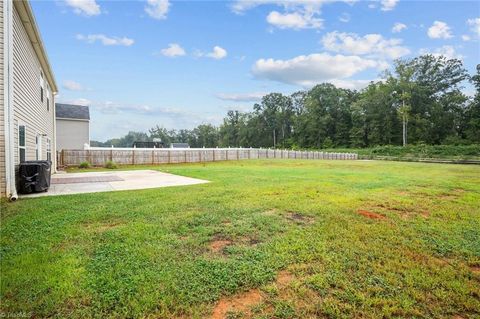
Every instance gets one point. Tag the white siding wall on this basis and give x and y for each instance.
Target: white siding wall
(2, 123)
(28, 108)
(72, 134)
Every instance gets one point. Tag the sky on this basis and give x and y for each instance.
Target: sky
(178, 64)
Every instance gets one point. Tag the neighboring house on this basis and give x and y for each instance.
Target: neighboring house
(27, 93)
(73, 126)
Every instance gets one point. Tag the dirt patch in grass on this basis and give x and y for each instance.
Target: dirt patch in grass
(217, 245)
(475, 269)
(404, 212)
(369, 214)
(299, 218)
(237, 303)
(284, 277)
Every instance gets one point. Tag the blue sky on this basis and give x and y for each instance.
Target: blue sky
(178, 64)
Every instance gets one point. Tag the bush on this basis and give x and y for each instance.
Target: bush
(111, 165)
(84, 165)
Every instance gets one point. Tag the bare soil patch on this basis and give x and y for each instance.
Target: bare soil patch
(284, 277)
(405, 212)
(370, 214)
(475, 269)
(237, 303)
(218, 245)
(299, 218)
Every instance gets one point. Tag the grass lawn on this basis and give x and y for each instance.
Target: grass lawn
(267, 238)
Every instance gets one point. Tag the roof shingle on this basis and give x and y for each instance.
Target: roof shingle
(71, 111)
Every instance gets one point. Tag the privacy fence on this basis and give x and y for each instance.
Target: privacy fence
(132, 156)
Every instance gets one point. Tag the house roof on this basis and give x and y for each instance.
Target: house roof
(71, 111)
(26, 14)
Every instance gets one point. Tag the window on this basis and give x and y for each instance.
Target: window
(41, 86)
(48, 98)
(22, 148)
(38, 147)
(49, 149)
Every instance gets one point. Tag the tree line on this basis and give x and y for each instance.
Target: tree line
(419, 101)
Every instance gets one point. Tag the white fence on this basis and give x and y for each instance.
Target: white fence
(98, 156)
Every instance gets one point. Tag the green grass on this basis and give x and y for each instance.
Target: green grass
(447, 152)
(146, 253)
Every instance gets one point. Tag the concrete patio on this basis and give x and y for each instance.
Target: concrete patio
(93, 182)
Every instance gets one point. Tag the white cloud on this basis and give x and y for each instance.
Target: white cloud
(308, 70)
(105, 40)
(157, 9)
(344, 17)
(398, 27)
(439, 30)
(466, 37)
(388, 5)
(475, 25)
(298, 14)
(217, 53)
(81, 101)
(241, 97)
(447, 51)
(72, 85)
(372, 44)
(352, 84)
(294, 20)
(85, 7)
(173, 50)
(78, 101)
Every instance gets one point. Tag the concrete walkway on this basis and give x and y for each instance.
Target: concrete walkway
(92, 182)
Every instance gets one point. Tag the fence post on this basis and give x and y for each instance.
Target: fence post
(185, 156)
(133, 156)
(153, 157)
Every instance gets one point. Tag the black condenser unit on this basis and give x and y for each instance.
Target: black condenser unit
(34, 176)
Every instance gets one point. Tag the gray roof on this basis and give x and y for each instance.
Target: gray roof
(71, 111)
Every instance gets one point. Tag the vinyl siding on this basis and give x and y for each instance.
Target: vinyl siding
(2, 122)
(28, 108)
(72, 134)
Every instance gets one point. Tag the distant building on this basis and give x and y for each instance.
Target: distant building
(179, 145)
(73, 126)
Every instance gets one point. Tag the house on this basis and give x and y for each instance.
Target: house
(27, 94)
(73, 126)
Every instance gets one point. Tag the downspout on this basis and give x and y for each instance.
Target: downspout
(53, 141)
(11, 189)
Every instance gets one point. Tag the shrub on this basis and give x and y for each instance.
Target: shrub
(111, 165)
(84, 165)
